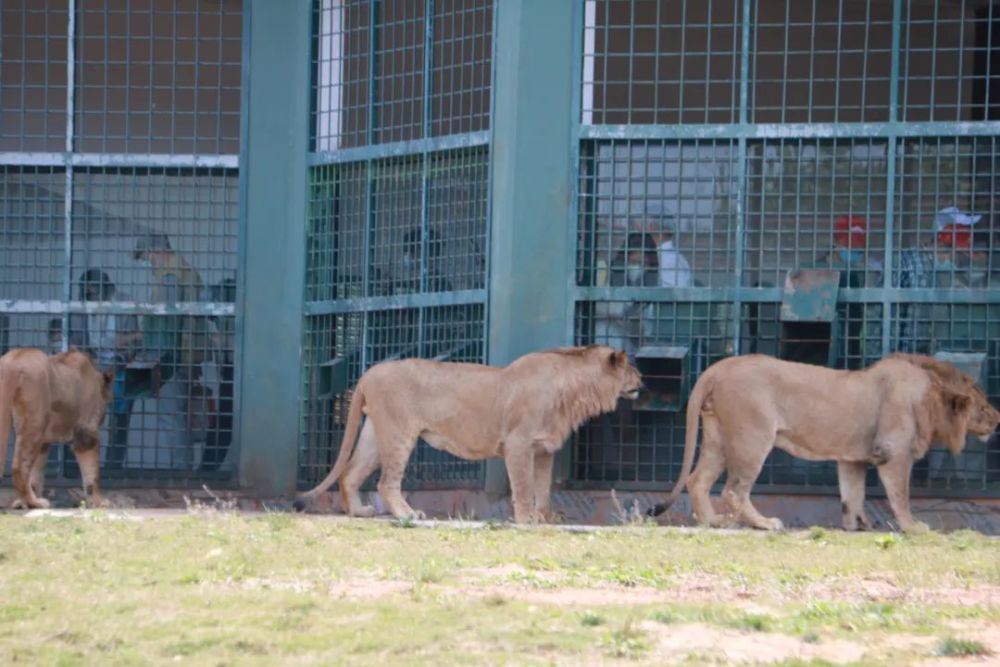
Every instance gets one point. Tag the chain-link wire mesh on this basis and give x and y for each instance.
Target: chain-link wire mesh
(732, 154)
(118, 217)
(398, 211)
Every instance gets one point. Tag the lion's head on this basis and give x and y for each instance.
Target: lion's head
(627, 376)
(966, 407)
(983, 417)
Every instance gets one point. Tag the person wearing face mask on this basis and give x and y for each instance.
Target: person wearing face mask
(947, 259)
(858, 268)
(621, 324)
(178, 342)
(849, 256)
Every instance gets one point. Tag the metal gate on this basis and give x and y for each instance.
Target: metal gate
(813, 180)
(398, 210)
(118, 216)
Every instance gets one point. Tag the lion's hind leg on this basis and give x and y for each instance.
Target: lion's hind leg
(26, 457)
(711, 463)
(363, 463)
(394, 451)
(851, 479)
(742, 469)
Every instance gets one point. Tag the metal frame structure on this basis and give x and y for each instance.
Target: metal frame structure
(353, 321)
(72, 163)
(739, 128)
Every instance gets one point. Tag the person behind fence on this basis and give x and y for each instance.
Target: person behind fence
(621, 324)
(859, 267)
(401, 328)
(54, 342)
(220, 427)
(674, 269)
(178, 342)
(947, 259)
(111, 339)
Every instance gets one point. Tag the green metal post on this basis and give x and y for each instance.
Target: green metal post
(272, 254)
(532, 182)
(891, 156)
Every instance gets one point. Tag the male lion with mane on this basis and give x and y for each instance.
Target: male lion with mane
(522, 413)
(58, 398)
(888, 415)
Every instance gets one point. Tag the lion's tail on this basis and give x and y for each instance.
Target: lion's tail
(8, 385)
(702, 389)
(354, 416)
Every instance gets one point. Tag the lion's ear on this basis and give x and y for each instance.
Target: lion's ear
(109, 376)
(617, 359)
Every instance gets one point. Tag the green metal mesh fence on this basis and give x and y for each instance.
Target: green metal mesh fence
(729, 149)
(398, 217)
(118, 216)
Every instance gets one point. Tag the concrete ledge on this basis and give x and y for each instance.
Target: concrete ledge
(575, 508)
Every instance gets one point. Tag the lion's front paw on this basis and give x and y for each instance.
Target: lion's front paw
(364, 512)
(99, 502)
(916, 527)
(775, 523)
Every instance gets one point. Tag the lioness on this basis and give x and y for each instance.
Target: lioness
(522, 413)
(58, 398)
(887, 414)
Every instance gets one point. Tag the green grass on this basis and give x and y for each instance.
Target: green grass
(960, 648)
(218, 588)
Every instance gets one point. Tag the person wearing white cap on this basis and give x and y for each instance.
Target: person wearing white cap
(947, 259)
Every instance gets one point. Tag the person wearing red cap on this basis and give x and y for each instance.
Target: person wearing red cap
(849, 256)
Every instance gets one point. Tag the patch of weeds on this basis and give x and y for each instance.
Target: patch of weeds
(494, 600)
(544, 564)
(887, 540)
(883, 614)
(816, 533)
(531, 579)
(430, 573)
(630, 578)
(820, 610)
(493, 524)
(665, 616)
(109, 645)
(10, 613)
(189, 647)
(245, 646)
(591, 619)
(752, 622)
(191, 578)
(279, 521)
(954, 647)
(405, 522)
(628, 641)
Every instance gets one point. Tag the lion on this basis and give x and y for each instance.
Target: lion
(58, 398)
(522, 413)
(888, 415)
